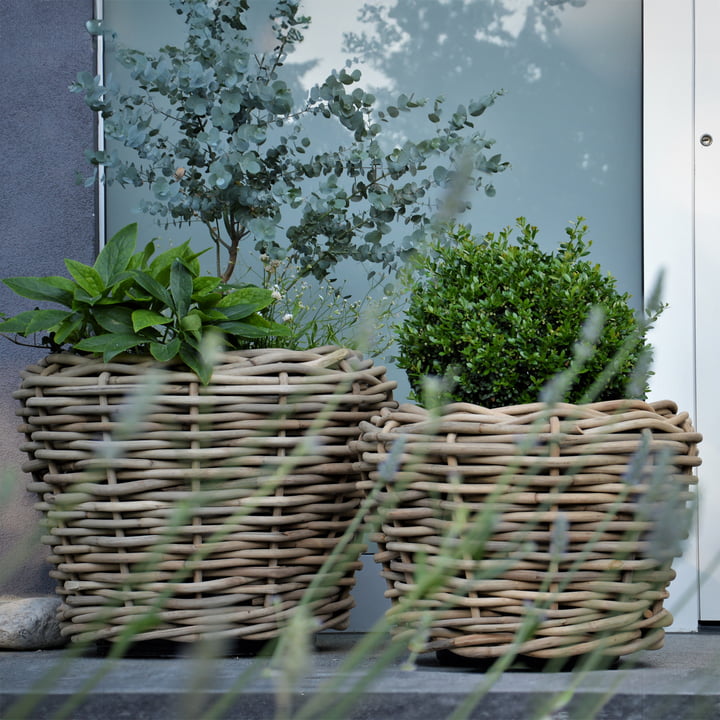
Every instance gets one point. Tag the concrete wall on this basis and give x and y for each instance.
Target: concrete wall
(44, 217)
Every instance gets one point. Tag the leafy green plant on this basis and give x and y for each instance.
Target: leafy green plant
(499, 320)
(215, 133)
(142, 302)
(325, 312)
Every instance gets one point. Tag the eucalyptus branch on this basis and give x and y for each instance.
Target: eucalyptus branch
(278, 56)
(159, 111)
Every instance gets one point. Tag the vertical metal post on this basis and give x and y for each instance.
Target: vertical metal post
(100, 129)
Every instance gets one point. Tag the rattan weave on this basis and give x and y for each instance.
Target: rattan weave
(205, 510)
(548, 532)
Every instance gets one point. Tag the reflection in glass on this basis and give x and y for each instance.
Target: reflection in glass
(569, 121)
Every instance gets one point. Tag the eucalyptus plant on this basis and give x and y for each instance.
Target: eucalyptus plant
(217, 132)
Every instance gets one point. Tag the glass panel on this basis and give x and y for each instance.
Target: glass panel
(569, 122)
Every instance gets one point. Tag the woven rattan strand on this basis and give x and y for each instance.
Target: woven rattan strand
(177, 511)
(544, 531)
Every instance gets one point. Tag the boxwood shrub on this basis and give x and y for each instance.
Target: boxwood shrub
(499, 319)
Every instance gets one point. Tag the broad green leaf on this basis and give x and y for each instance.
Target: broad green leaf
(260, 321)
(191, 323)
(147, 318)
(193, 359)
(114, 319)
(31, 321)
(240, 312)
(209, 317)
(191, 341)
(115, 257)
(245, 301)
(71, 328)
(109, 345)
(17, 324)
(52, 289)
(160, 266)
(252, 330)
(117, 291)
(163, 352)
(181, 286)
(204, 285)
(47, 319)
(83, 297)
(140, 260)
(140, 297)
(209, 302)
(152, 286)
(86, 277)
(246, 293)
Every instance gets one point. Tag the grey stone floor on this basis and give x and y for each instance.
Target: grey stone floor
(680, 681)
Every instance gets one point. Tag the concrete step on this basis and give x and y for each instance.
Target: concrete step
(679, 682)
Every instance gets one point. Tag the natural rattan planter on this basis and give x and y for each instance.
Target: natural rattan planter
(548, 533)
(207, 511)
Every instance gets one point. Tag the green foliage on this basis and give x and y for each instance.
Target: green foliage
(324, 312)
(141, 302)
(499, 320)
(218, 137)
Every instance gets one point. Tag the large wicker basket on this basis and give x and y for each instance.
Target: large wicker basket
(546, 532)
(176, 511)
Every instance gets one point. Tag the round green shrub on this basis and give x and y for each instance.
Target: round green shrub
(499, 319)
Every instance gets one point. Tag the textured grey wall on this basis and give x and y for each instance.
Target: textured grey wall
(44, 217)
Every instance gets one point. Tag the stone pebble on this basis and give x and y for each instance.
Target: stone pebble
(29, 623)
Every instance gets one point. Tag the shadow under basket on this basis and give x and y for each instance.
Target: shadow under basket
(177, 511)
(547, 532)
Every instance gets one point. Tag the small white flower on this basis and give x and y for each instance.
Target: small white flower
(287, 318)
(276, 295)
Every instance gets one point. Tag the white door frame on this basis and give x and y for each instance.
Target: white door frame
(99, 14)
(707, 275)
(669, 231)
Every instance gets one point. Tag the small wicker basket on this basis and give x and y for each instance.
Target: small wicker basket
(543, 531)
(176, 510)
